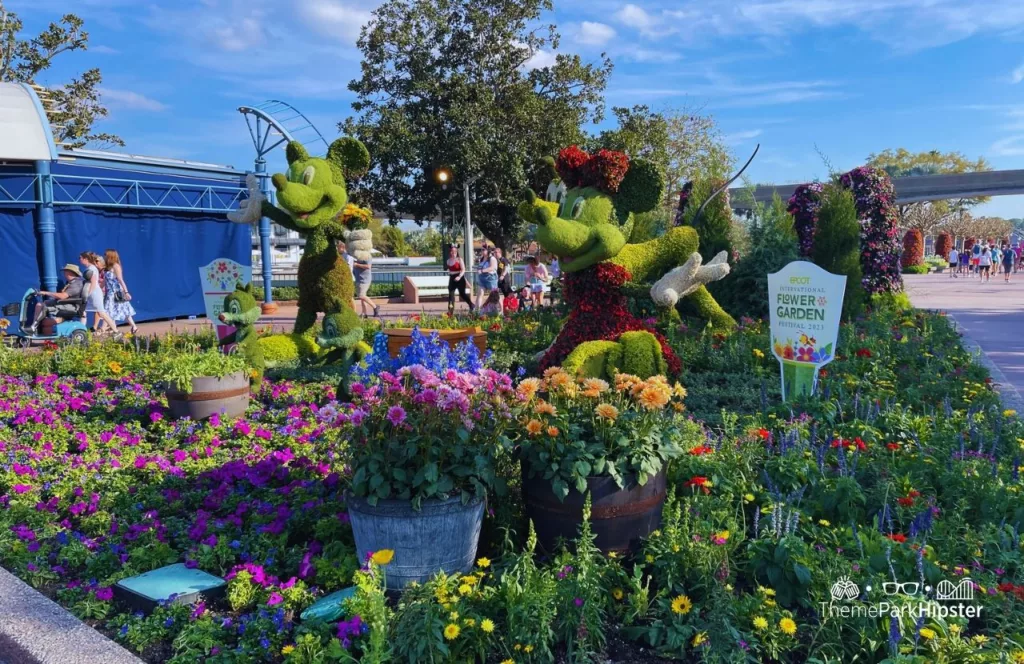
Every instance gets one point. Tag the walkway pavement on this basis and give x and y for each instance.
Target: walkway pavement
(991, 316)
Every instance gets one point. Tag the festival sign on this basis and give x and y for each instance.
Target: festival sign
(805, 303)
(219, 278)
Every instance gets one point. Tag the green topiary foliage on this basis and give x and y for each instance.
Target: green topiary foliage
(837, 244)
(350, 156)
(641, 356)
(287, 348)
(648, 261)
(701, 304)
(640, 190)
(590, 359)
(241, 310)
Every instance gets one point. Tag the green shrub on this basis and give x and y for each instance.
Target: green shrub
(837, 244)
(281, 348)
(591, 358)
(772, 246)
(715, 224)
(915, 269)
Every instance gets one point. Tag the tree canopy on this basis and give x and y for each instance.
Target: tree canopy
(72, 108)
(472, 86)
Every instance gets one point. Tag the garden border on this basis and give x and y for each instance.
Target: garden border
(1009, 395)
(35, 630)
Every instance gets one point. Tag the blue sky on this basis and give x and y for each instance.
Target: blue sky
(804, 78)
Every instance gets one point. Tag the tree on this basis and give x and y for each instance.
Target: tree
(641, 133)
(837, 243)
(929, 216)
(455, 83)
(943, 244)
(392, 242)
(73, 108)
(714, 227)
(695, 149)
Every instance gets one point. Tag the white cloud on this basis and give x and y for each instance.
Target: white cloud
(1018, 74)
(638, 18)
(724, 92)
(103, 50)
(1011, 146)
(236, 36)
(130, 100)
(335, 19)
(540, 60)
(741, 136)
(595, 34)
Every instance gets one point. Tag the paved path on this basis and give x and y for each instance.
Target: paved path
(990, 314)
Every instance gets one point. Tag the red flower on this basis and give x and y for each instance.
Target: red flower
(898, 537)
(570, 164)
(906, 502)
(914, 493)
(700, 450)
(698, 481)
(863, 352)
(860, 444)
(893, 446)
(764, 434)
(1006, 587)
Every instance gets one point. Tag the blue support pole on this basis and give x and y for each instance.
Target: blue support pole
(265, 253)
(46, 227)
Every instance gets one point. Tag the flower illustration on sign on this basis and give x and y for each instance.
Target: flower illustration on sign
(806, 350)
(223, 274)
(822, 301)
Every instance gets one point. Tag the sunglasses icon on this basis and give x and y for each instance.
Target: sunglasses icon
(907, 588)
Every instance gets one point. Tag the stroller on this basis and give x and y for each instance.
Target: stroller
(61, 321)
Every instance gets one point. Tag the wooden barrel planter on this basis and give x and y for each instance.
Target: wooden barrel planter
(400, 337)
(441, 536)
(619, 518)
(227, 396)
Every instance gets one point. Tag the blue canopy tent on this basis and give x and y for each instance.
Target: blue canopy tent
(166, 218)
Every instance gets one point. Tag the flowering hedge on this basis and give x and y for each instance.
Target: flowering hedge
(880, 243)
(913, 248)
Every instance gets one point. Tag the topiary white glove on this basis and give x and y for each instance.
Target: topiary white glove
(249, 211)
(687, 278)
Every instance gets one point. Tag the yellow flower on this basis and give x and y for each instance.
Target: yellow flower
(649, 558)
(544, 408)
(518, 647)
(465, 589)
(656, 533)
(469, 622)
(613, 554)
(787, 626)
(383, 557)
(471, 580)
(749, 497)
(824, 522)
(679, 391)
(758, 353)
(769, 602)
(559, 379)
(483, 563)
(553, 432)
(606, 411)
(618, 594)
(1017, 657)
(534, 427)
(287, 649)
(453, 616)
(699, 639)
(681, 605)
(979, 639)
(760, 623)
(487, 625)
(927, 633)
(653, 398)
(508, 661)
(768, 592)
(955, 629)
(527, 649)
(1009, 413)
(115, 367)
(722, 534)
(451, 631)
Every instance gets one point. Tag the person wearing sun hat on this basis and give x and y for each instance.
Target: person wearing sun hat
(73, 287)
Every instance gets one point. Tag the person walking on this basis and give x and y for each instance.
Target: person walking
(504, 273)
(536, 277)
(457, 280)
(1008, 257)
(487, 276)
(975, 259)
(965, 258)
(93, 292)
(954, 262)
(984, 265)
(363, 277)
(116, 298)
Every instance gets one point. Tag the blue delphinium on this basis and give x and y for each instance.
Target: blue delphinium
(429, 351)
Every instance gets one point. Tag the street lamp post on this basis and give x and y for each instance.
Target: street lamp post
(443, 176)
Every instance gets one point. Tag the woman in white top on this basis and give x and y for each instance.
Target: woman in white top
(984, 264)
(536, 277)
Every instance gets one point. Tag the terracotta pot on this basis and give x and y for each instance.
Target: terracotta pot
(268, 308)
(400, 337)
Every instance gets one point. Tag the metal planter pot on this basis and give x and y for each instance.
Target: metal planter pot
(442, 536)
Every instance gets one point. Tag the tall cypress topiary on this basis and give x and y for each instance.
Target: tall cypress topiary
(715, 222)
(943, 244)
(837, 244)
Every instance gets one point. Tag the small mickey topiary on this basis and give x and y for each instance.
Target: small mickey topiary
(242, 311)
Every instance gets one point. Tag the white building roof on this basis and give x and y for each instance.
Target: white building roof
(24, 130)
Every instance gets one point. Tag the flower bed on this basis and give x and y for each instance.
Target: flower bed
(905, 469)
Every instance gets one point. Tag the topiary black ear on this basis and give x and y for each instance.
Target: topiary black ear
(295, 151)
(350, 155)
(249, 288)
(642, 188)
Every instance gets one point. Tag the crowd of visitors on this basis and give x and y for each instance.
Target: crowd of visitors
(984, 259)
(100, 282)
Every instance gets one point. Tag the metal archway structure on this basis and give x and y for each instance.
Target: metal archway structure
(273, 124)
